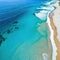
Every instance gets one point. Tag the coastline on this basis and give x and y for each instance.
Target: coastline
(55, 38)
(54, 48)
(54, 22)
(37, 47)
(51, 42)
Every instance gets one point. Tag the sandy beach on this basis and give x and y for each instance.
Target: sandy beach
(55, 38)
(54, 22)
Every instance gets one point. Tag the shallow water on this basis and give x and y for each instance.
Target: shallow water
(26, 35)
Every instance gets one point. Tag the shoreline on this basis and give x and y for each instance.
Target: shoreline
(54, 20)
(53, 34)
(55, 37)
(54, 48)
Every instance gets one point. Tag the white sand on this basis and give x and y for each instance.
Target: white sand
(56, 19)
(54, 53)
(41, 15)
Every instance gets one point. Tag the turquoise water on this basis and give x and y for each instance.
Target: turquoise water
(19, 27)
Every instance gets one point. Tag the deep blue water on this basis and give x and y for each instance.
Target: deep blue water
(18, 25)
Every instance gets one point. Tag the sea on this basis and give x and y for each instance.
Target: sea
(24, 33)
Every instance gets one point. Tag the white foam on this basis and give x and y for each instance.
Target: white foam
(50, 8)
(48, 3)
(44, 11)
